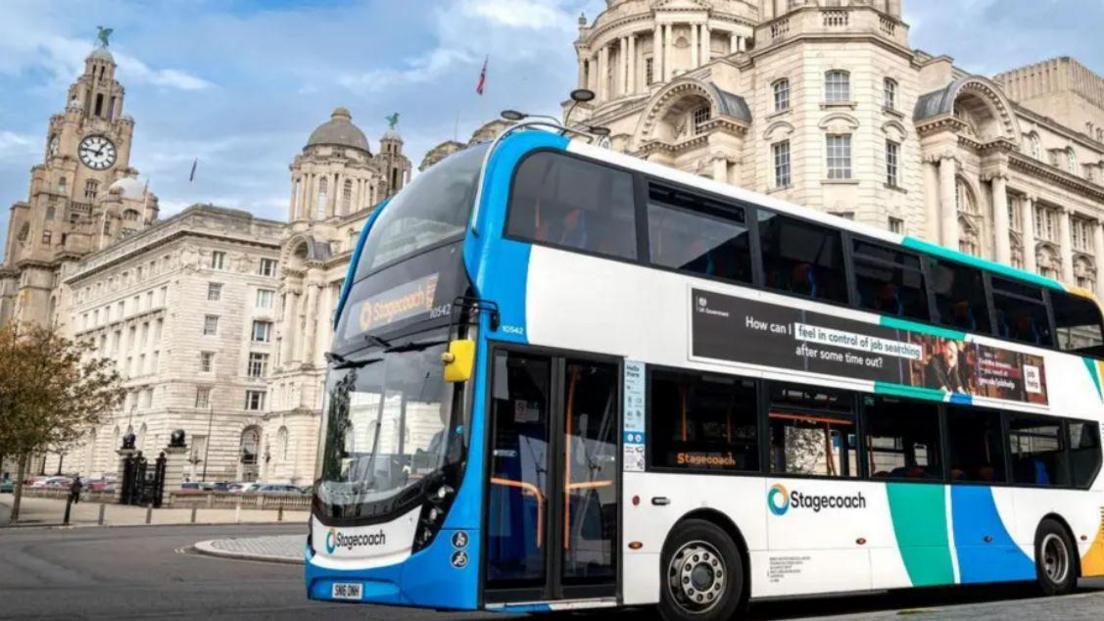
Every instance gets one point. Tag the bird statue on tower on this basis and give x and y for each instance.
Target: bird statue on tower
(103, 34)
(392, 119)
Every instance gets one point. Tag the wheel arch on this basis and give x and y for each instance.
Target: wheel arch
(1061, 521)
(726, 524)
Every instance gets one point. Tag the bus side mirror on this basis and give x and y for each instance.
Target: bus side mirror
(459, 360)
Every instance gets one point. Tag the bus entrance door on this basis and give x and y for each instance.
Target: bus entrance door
(552, 503)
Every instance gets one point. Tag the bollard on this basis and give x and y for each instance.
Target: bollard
(149, 513)
(103, 508)
(237, 513)
(280, 513)
(193, 513)
(68, 505)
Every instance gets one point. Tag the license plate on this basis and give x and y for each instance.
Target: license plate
(347, 590)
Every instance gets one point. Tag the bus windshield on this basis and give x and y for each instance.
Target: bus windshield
(433, 208)
(386, 428)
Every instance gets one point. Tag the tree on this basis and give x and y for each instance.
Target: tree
(53, 391)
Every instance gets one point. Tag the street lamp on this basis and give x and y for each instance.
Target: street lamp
(207, 446)
(578, 96)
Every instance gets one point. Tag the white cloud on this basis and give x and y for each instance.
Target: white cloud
(418, 70)
(13, 145)
(519, 13)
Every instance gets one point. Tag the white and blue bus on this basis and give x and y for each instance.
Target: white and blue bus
(563, 377)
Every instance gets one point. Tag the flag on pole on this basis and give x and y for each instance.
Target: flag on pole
(191, 176)
(482, 77)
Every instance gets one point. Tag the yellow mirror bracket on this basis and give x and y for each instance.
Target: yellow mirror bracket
(459, 360)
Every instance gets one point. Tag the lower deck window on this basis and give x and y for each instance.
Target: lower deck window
(902, 439)
(976, 450)
(812, 432)
(1038, 454)
(703, 422)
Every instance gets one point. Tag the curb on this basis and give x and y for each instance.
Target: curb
(208, 548)
(82, 525)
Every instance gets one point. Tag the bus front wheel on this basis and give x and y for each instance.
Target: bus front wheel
(1055, 559)
(703, 574)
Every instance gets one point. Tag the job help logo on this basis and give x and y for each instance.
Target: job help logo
(780, 500)
(335, 539)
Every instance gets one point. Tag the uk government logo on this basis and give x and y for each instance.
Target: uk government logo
(335, 540)
(780, 500)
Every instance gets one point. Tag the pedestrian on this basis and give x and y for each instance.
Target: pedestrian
(75, 490)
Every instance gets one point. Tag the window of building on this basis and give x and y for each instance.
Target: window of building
(214, 291)
(1071, 161)
(155, 362)
(839, 156)
(254, 400)
(47, 237)
(649, 70)
(1080, 234)
(258, 364)
(1038, 451)
(262, 331)
(781, 89)
(210, 325)
(1046, 220)
(91, 189)
(698, 235)
(780, 153)
(563, 201)
(896, 225)
(976, 448)
(801, 257)
(1021, 312)
(206, 361)
(62, 188)
(268, 267)
(203, 397)
(50, 212)
(889, 94)
(902, 438)
(837, 86)
(218, 260)
(347, 196)
(1084, 448)
(703, 422)
(889, 281)
(812, 432)
(892, 155)
(959, 296)
(701, 117)
(323, 188)
(1077, 323)
(265, 298)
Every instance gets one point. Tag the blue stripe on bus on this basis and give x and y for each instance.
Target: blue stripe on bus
(354, 261)
(506, 286)
(985, 550)
(959, 398)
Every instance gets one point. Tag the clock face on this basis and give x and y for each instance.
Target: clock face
(97, 152)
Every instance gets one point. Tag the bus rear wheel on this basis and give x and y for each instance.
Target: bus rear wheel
(703, 574)
(1055, 559)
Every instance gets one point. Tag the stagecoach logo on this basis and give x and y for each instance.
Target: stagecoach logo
(780, 500)
(402, 302)
(335, 539)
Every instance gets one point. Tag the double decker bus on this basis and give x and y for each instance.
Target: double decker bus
(563, 377)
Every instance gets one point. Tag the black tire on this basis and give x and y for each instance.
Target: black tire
(1055, 559)
(702, 575)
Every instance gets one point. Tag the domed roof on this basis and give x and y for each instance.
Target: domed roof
(130, 188)
(101, 53)
(340, 131)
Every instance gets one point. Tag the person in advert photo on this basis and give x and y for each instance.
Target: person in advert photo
(942, 369)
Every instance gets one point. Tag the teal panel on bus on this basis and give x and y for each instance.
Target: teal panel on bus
(997, 268)
(912, 326)
(911, 392)
(919, 514)
(1090, 364)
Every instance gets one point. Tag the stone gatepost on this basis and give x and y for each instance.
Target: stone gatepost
(175, 459)
(120, 474)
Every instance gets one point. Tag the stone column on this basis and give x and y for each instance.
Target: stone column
(733, 43)
(667, 69)
(311, 319)
(603, 73)
(322, 331)
(706, 48)
(632, 63)
(1002, 250)
(657, 53)
(582, 72)
(288, 324)
(720, 168)
(1098, 254)
(175, 459)
(292, 202)
(931, 198)
(1027, 212)
(948, 214)
(622, 65)
(1067, 245)
(695, 47)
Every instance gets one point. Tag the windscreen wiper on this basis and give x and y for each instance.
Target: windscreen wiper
(382, 342)
(340, 362)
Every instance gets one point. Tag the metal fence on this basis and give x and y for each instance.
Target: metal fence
(188, 498)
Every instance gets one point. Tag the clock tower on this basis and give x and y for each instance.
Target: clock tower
(83, 194)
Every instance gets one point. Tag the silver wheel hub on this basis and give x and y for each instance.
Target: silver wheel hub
(1056, 560)
(696, 577)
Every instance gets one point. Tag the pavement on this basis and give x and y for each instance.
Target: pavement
(276, 548)
(50, 512)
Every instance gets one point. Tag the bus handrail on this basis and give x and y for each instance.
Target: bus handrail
(532, 490)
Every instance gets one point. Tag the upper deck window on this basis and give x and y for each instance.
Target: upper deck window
(1021, 312)
(434, 207)
(801, 257)
(698, 235)
(1077, 320)
(890, 281)
(959, 296)
(572, 203)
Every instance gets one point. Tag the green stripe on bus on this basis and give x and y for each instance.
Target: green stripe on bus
(919, 514)
(1090, 364)
(914, 392)
(1003, 270)
(912, 326)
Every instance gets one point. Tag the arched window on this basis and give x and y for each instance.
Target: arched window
(24, 232)
(91, 189)
(130, 215)
(969, 219)
(61, 185)
(347, 196)
(837, 86)
(323, 187)
(282, 443)
(1048, 262)
(1034, 146)
(781, 89)
(701, 117)
(250, 440)
(889, 94)
(1071, 160)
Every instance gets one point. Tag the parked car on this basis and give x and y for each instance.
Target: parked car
(273, 488)
(99, 485)
(237, 487)
(7, 486)
(52, 483)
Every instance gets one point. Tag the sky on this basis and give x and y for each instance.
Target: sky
(240, 84)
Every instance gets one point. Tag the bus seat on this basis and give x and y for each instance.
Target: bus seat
(803, 279)
(1042, 476)
(574, 232)
(889, 301)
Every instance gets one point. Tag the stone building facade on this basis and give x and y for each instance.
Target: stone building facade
(825, 104)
